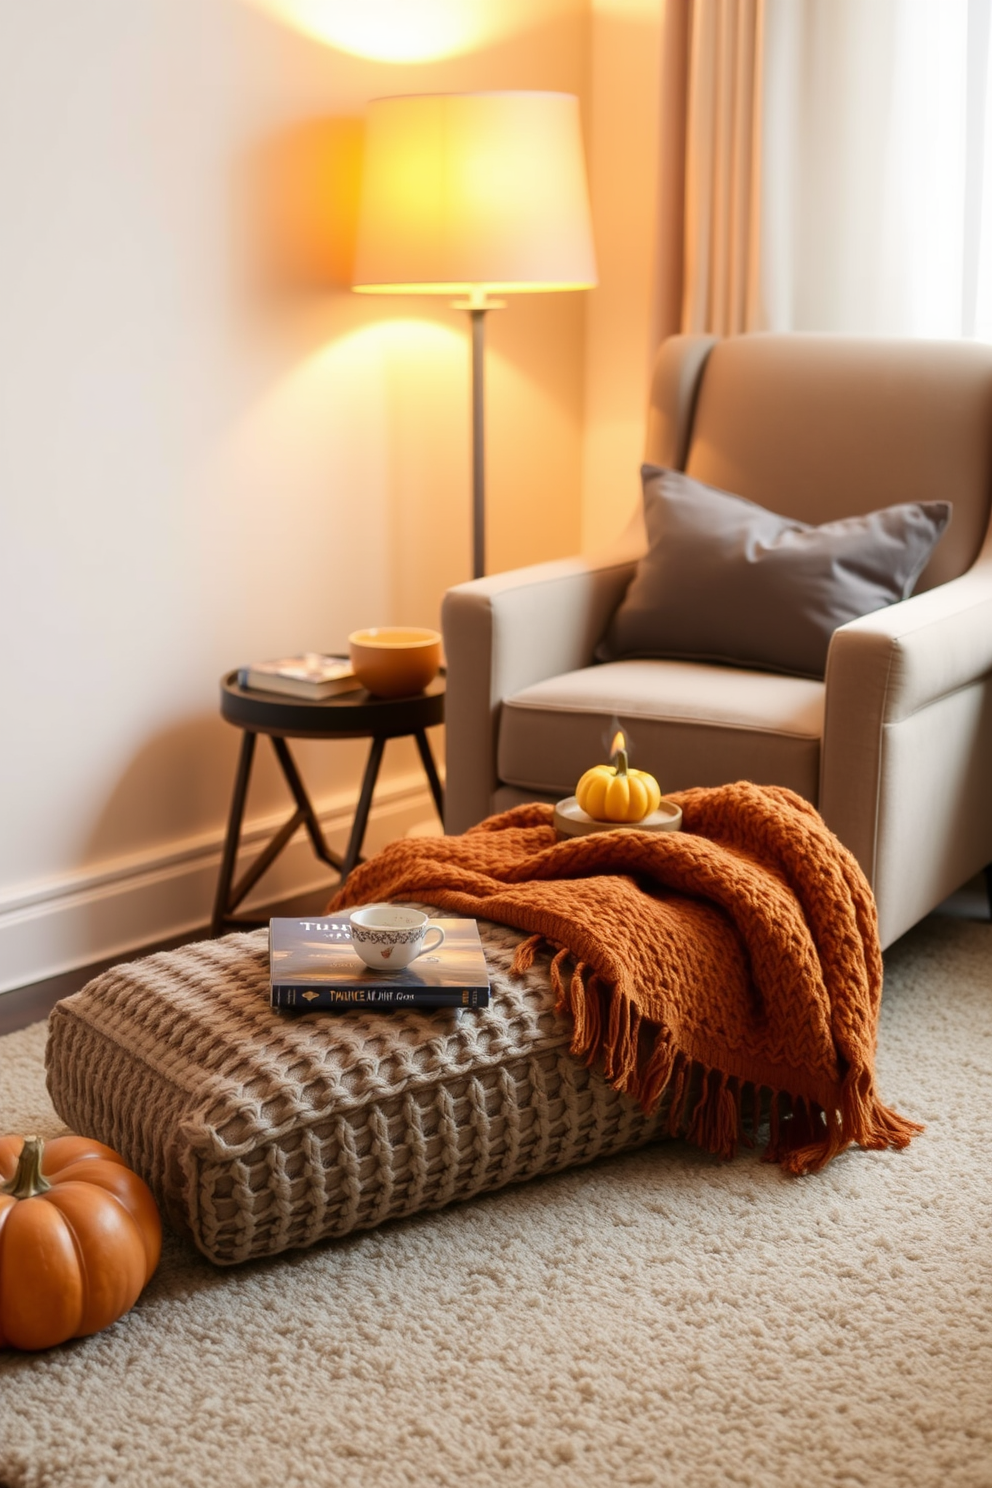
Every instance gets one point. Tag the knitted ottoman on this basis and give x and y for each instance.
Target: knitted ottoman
(259, 1132)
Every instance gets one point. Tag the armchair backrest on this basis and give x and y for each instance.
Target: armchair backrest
(821, 427)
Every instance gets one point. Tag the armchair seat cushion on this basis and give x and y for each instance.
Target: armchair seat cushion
(690, 724)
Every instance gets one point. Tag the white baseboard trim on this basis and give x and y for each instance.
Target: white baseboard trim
(117, 907)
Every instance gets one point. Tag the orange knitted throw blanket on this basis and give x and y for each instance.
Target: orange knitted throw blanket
(734, 965)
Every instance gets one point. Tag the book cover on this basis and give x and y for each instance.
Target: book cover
(313, 966)
(312, 675)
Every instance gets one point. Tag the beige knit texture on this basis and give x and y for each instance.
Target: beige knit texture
(659, 1318)
(259, 1133)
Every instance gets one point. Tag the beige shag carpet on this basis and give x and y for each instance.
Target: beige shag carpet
(657, 1318)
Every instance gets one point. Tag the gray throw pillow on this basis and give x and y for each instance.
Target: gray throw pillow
(724, 580)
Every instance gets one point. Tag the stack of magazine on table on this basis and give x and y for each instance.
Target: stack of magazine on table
(313, 966)
(313, 675)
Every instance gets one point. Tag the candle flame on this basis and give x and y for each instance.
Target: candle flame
(619, 742)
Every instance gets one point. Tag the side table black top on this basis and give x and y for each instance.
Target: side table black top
(346, 715)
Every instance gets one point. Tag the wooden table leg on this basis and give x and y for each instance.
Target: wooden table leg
(364, 802)
(427, 758)
(222, 905)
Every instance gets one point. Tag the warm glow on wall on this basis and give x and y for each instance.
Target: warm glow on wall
(356, 384)
(349, 474)
(417, 30)
(389, 30)
(302, 195)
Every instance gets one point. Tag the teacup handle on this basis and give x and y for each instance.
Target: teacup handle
(434, 930)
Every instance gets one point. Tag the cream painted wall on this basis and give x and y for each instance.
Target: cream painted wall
(194, 472)
(623, 317)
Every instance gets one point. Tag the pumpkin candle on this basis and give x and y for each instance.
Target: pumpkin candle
(615, 792)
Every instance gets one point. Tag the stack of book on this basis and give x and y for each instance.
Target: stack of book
(313, 675)
(313, 966)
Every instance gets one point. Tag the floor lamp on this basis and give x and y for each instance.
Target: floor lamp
(474, 195)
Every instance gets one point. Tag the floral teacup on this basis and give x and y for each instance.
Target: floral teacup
(390, 936)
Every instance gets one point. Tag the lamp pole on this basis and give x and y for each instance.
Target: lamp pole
(477, 303)
(478, 314)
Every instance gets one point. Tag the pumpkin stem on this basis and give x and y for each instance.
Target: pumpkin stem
(29, 1181)
(620, 761)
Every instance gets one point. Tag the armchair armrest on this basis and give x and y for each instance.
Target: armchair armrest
(908, 717)
(502, 634)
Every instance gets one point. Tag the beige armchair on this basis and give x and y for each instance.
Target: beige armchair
(895, 746)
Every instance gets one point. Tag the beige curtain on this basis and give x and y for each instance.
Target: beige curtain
(710, 187)
(722, 174)
(826, 165)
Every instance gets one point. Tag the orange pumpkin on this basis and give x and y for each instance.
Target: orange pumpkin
(79, 1237)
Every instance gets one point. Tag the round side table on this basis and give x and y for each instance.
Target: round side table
(348, 715)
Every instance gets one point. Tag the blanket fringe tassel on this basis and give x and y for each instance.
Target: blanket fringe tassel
(710, 1109)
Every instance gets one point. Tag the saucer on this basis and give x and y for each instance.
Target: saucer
(572, 821)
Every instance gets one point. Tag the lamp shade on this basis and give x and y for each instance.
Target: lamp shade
(470, 191)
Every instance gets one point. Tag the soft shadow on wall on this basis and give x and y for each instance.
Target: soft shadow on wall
(298, 203)
(299, 206)
(535, 348)
(177, 888)
(301, 198)
(383, 388)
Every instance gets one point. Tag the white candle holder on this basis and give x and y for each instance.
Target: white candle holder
(572, 821)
